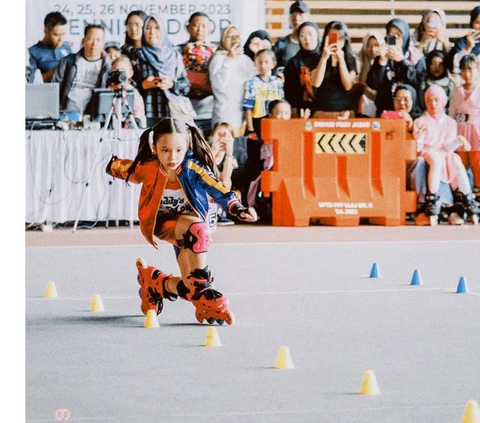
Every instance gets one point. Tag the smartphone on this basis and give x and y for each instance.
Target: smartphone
(280, 70)
(391, 40)
(332, 38)
(435, 22)
(391, 114)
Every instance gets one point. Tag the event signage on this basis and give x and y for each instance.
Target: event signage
(246, 15)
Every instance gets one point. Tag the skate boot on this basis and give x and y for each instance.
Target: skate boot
(432, 207)
(472, 208)
(152, 287)
(210, 305)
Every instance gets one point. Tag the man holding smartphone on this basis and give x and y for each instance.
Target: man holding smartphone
(287, 47)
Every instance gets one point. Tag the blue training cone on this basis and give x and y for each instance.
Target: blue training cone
(375, 272)
(462, 287)
(416, 278)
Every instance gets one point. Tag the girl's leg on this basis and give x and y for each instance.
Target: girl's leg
(474, 157)
(464, 198)
(436, 162)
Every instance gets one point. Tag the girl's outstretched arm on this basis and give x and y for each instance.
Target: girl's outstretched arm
(243, 213)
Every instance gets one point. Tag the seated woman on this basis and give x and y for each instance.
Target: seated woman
(335, 74)
(400, 63)
(159, 71)
(436, 136)
(299, 91)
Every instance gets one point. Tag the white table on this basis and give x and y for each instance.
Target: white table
(58, 165)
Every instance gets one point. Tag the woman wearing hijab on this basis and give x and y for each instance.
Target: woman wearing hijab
(431, 33)
(159, 70)
(299, 91)
(401, 63)
(229, 69)
(256, 41)
(437, 74)
(470, 44)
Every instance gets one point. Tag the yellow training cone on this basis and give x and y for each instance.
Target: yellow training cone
(284, 360)
(51, 290)
(369, 384)
(212, 339)
(151, 320)
(97, 304)
(471, 413)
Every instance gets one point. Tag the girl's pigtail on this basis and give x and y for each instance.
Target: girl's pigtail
(144, 152)
(201, 148)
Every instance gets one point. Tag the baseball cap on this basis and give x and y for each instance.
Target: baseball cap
(299, 6)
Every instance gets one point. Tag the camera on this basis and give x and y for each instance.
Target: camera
(391, 40)
(117, 78)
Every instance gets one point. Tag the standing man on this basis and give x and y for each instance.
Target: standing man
(46, 54)
(287, 47)
(79, 73)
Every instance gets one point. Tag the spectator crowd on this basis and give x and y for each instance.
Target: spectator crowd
(227, 88)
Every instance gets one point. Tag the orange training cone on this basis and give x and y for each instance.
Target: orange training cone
(212, 339)
(284, 360)
(151, 320)
(471, 413)
(97, 304)
(369, 384)
(51, 290)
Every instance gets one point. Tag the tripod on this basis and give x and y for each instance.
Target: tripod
(114, 116)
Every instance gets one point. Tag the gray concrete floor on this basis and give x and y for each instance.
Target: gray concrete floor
(423, 343)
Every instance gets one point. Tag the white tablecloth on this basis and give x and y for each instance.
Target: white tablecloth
(58, 166)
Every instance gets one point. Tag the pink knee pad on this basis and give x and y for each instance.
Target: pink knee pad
(197, 237)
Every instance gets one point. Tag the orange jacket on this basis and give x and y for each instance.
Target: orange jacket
(196, 180)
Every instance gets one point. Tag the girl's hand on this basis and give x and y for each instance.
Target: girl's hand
(340, 55)
(249, 216)
(165, 83)
(150, 82)
(464, 143)
(395, 53)
(305, 113)
(235, 51)
(383, 54)
(472, 38)
(328, 50)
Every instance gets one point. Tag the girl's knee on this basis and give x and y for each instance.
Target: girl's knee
(197, 237)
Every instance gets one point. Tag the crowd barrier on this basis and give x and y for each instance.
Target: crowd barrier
(338, 171)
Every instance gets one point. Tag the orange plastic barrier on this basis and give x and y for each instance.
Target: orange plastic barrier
(338, 171)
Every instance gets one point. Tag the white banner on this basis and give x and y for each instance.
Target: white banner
(246, 15)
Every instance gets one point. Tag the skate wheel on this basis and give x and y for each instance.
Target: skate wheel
(211, 320)
(141, 263)
(433, 220)
(140, 292)
(229, 317)
(220, 322)
(474, 219)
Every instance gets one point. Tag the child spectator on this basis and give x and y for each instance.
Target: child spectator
(470, 44)
(401, 63)
(437, 74)
(222, 145)
(138, 107)
(229, 70)
(299, 91)
(113, 50)
(174, 163)
(436, 137)
(335, 74)
(196, 55)
(259, 92)
(465, 109)
(431, 33)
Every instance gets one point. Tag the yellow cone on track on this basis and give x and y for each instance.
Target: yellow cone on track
(51, 290)
(212, 339)
(151, 320)
(471, 413)
(284, 359)
(97, 304)
(369, 384)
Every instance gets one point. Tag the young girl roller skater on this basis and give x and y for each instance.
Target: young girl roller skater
(174, 163)
(436, 137)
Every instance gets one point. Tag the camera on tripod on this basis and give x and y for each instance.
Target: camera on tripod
(117, 79)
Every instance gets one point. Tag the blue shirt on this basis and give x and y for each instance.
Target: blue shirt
(259, 94)
(47, 58)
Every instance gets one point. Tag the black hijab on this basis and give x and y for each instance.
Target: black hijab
(263, 35)
(310, 57)
(430, 57)
(462, 42)
(415, 112)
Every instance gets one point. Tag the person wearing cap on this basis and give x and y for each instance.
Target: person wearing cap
(287, 47)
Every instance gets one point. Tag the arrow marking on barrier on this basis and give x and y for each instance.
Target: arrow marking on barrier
(331, 143)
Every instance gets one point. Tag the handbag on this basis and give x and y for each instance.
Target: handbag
(180, 107)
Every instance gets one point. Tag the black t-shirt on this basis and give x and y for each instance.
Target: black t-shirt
(331, 96)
